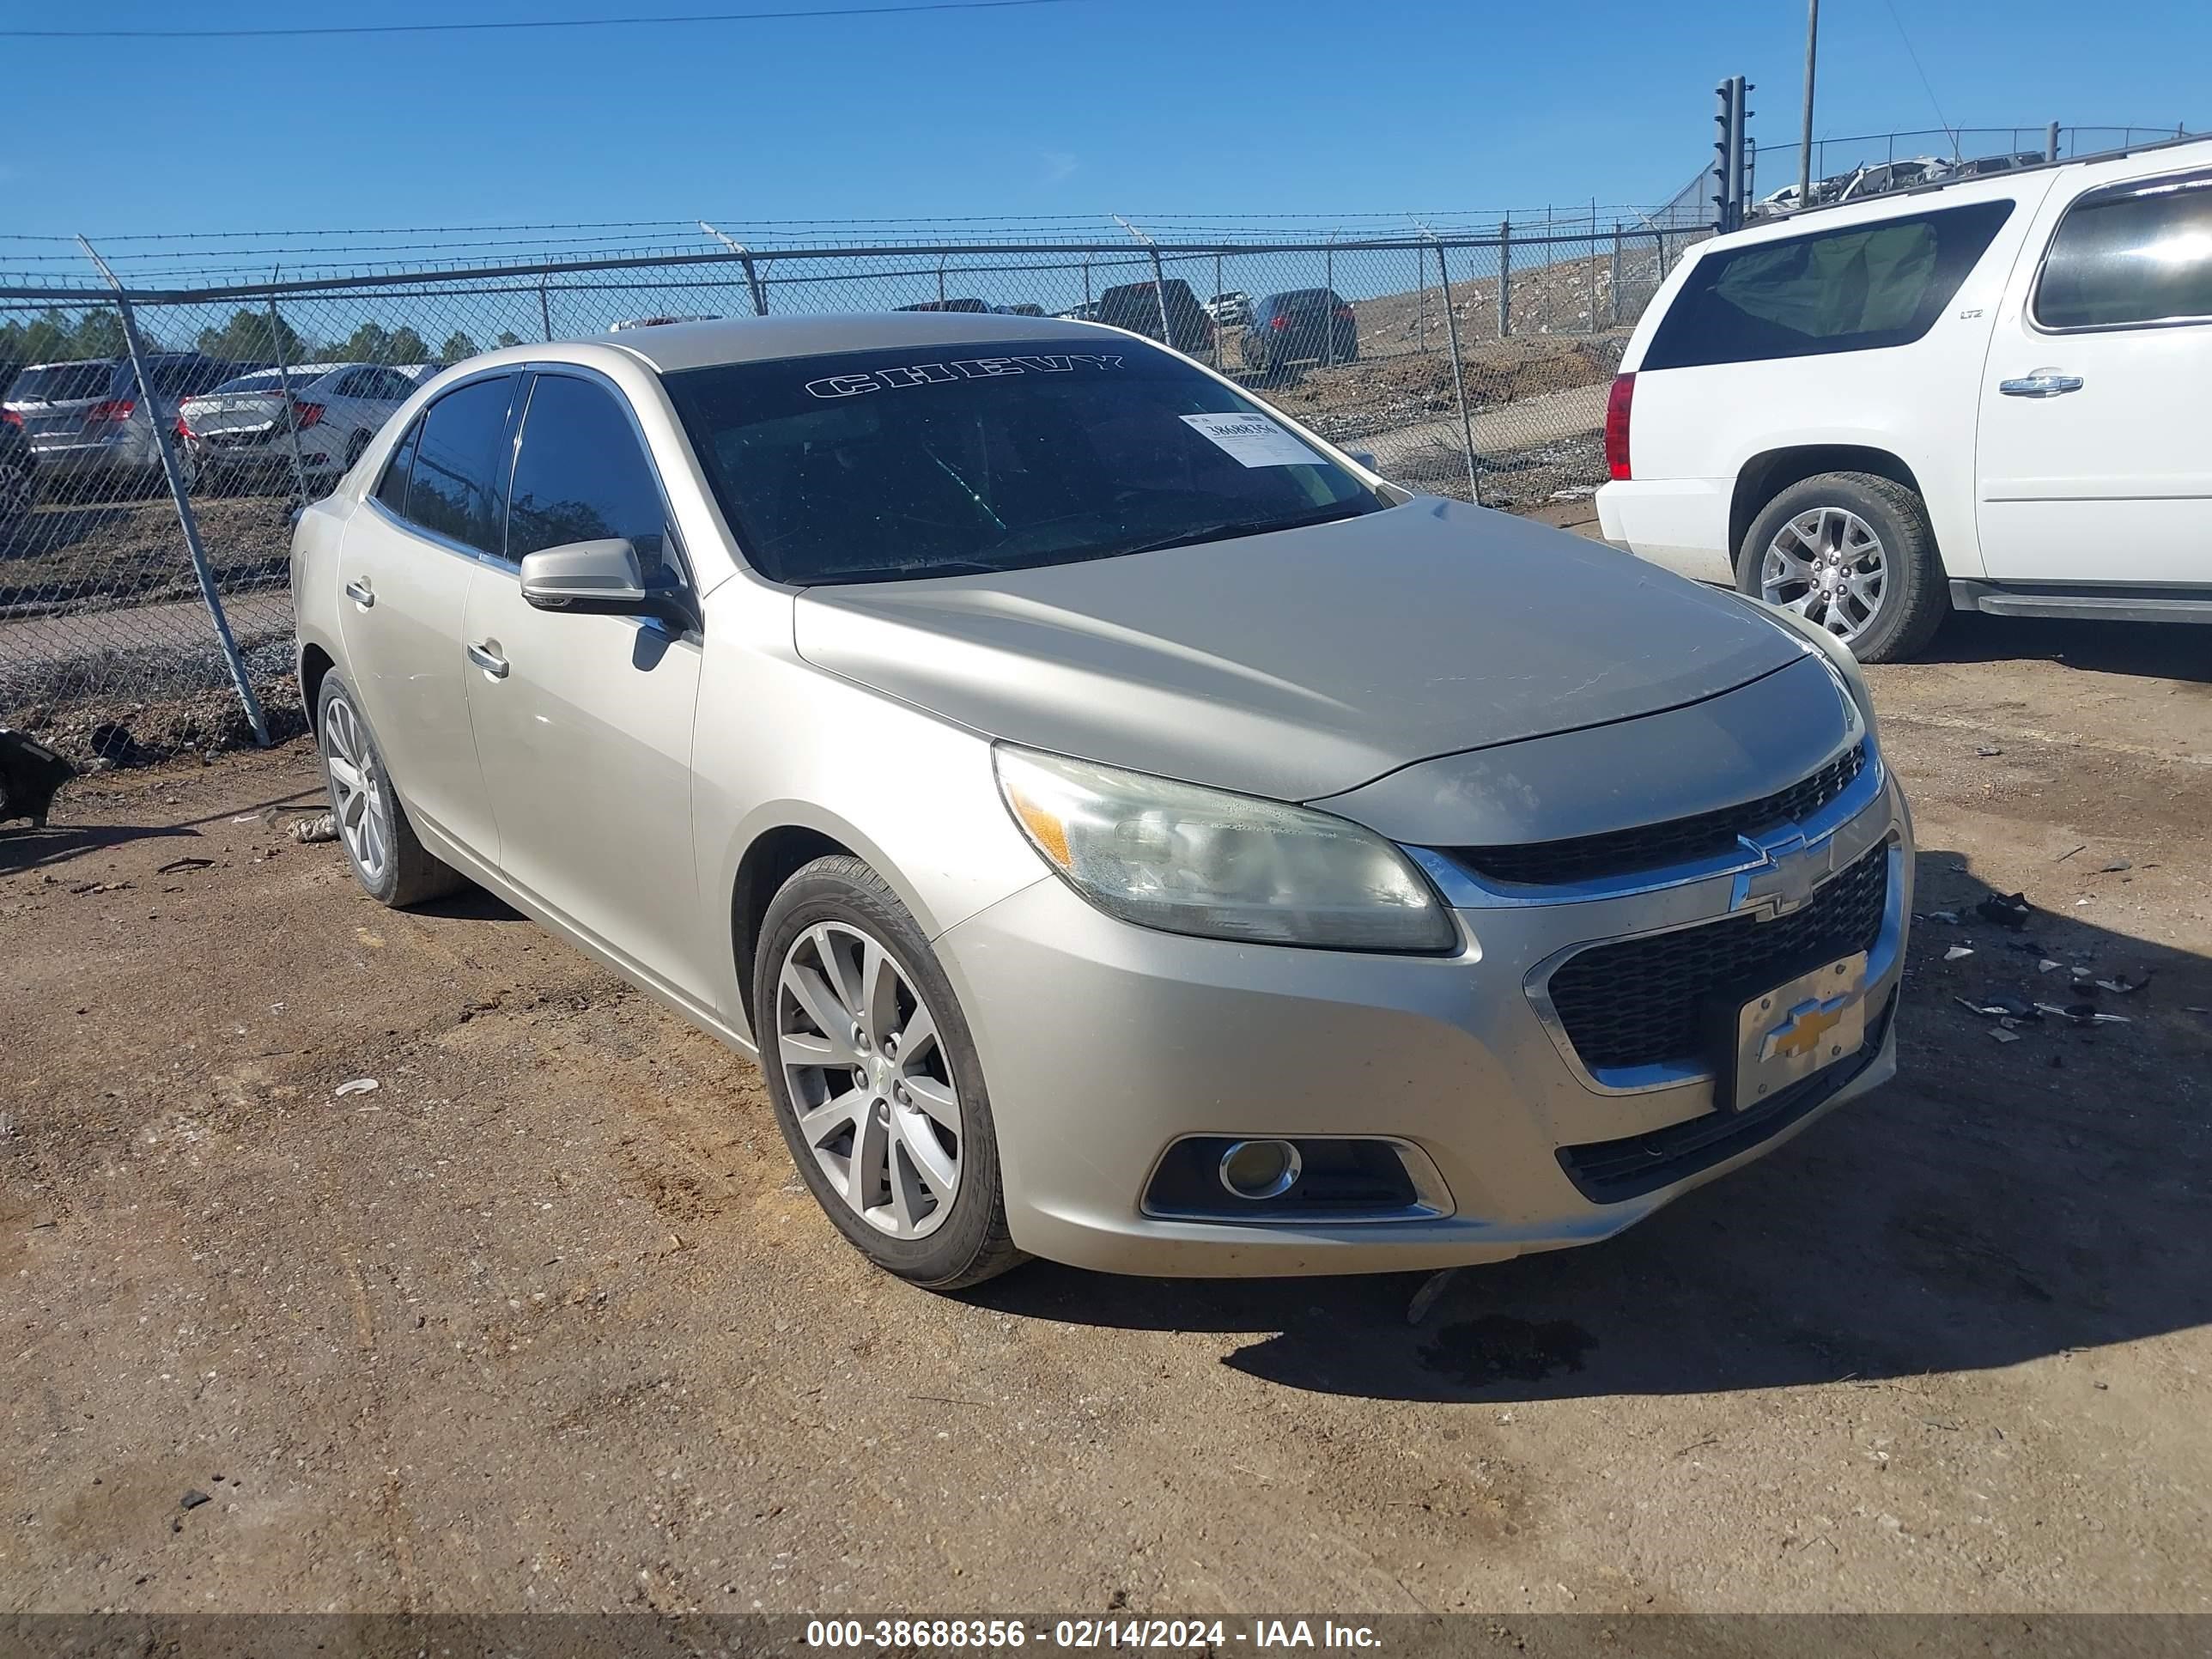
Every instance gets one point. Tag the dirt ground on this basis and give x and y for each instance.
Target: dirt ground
(545, 1321)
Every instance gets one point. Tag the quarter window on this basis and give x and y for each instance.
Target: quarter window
(2131, 254)
(580, 476)
(1852, 290)
(457, 478)
(392, 490)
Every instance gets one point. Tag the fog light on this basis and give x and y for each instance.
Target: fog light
(1259, 1169)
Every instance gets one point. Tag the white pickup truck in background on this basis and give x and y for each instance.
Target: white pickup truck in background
(1994, 394)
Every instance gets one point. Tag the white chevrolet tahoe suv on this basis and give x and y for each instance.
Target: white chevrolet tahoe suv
(1992, 395)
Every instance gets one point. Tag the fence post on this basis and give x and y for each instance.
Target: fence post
(544, 310)
(284, 381)
(753, 282)
(1459, 379)
(1616, 276)
(2051, 141)
(1504, 280)
(1217, 320)
(1328, 281)
(178, 493)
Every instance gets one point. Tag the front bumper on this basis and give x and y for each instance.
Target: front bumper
(1104, 1043)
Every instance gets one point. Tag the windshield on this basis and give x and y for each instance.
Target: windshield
(973, 459)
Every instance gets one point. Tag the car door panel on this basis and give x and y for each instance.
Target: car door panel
(584, 730)
(2092, 465)
(405, 571)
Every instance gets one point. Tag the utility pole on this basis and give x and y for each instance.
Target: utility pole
(1805, 133)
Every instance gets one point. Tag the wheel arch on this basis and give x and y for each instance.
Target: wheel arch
(1769, 472)
(315, 666)
(770, 859)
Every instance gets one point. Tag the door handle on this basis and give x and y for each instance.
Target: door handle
(485, 655)
(359, 591)
(2043, 383)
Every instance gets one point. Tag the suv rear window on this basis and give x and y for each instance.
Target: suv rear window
(1855, 288)
(61, 383)
(2139, 252)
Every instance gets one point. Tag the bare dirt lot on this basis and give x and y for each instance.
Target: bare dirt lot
(546, 1321)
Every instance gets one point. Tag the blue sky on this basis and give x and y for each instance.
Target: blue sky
(1135, 106)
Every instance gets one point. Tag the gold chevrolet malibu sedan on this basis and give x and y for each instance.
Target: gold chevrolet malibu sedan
(1124, 828)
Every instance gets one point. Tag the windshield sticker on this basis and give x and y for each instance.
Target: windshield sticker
(1253, 439)
(965, 368)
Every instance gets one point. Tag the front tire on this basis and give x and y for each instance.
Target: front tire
(392, 865)
(876, 1084)
(1853, 553)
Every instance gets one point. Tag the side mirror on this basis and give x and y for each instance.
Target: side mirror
(602, 575)
(1365, 458)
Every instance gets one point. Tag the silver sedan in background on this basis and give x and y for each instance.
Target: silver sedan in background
(1124, 828)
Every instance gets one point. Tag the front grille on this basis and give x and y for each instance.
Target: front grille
(1612, 1171)
(1644, 1001)
(1655, 846)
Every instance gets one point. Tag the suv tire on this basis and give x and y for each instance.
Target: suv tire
(1915, 598)
(839, 903)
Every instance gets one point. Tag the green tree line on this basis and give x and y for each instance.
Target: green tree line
(250, 337)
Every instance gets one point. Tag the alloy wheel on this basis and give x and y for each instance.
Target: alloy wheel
(1827, 565)
(868, 1079)
(356, 790)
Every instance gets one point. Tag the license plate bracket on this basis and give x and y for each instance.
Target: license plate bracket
(1787, 1033)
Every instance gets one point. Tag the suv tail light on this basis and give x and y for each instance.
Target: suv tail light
(1279, 320)
(183, 432)
(114, 408)
(305, 415)
(10, 418)
(1617, 403)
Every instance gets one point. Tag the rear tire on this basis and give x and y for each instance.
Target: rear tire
(392, 865)
(828, 1029)
(1825, 523)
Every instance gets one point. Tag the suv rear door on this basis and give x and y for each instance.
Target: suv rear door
(2093, 464)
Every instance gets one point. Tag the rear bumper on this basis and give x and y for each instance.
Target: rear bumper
(1104, 1043)
(1681, 523)
(66, 457)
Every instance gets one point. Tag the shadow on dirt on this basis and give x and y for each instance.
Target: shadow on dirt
(2002, 1201)
(2150, 650)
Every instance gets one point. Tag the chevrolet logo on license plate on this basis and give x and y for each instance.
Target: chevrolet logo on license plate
(1817, 1019)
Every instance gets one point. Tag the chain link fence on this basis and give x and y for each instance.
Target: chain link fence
(1472, 364)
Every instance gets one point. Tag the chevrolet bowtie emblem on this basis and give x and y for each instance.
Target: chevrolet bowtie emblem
(1787, 871)
(1803, 1028)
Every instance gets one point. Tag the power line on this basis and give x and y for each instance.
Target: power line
(1941, 119)
(518, 23)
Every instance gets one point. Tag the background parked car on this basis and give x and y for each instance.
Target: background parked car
(1887, 176)
(1307, 325)
(968, 304)
(1137, 305)
(87, 417)
(1230, 308)
(244, 426)
(1020, 309)
(18, 487)
(1984, 397)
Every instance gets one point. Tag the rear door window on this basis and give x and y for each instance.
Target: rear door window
(2131, 254)
(1855, 288)
(458, 477)
(580, 474)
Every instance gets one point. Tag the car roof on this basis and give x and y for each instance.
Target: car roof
(671, 347)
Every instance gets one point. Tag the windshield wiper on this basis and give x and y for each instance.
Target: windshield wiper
(898, 573)
(1234, 528)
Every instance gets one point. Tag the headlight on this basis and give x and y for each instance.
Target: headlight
(1193, 860)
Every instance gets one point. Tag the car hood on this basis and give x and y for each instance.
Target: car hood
(1305, 662)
